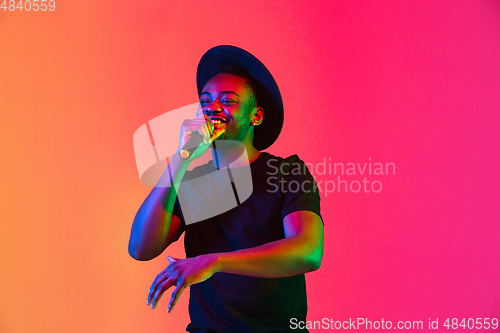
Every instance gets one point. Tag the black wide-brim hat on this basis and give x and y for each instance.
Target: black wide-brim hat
(269, 95)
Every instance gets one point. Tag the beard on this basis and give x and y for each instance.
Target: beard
(236, 131)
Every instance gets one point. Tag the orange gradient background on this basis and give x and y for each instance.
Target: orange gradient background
(411, 83)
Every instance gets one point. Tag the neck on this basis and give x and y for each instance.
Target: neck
(233, 153)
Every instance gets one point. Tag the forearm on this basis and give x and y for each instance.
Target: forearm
(152, 222)
(285, 257)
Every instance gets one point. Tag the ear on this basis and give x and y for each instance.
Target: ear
(258, 116)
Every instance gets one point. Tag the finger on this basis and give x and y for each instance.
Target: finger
(205, 132)
(152, 291)
(210, 124)
(217, 133)
(175, 296)
(159, 278)
(210, 127)
(203, 127)
(159, 292)
(189, 131)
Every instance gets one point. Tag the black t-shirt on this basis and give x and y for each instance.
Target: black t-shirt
(236, 303)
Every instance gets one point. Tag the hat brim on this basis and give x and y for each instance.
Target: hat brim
(270, 98)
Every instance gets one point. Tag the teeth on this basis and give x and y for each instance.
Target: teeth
(216, 121)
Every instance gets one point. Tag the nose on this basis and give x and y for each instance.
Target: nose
(214, 107)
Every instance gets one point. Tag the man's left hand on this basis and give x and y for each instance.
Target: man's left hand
(182, 273)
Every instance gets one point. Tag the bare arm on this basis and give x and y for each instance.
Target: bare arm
(300, 252)
(155, 227)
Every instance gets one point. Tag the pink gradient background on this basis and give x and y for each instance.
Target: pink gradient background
(412, 83)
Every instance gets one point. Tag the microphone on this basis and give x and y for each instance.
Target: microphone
(195, 139)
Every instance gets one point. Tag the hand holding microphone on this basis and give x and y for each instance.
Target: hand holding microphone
(197, 133)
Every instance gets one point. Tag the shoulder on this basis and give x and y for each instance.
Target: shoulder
(292, 160)
(293, 165)
(271, 159)
(282, 165)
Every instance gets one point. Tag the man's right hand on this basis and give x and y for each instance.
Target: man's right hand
(203, 125)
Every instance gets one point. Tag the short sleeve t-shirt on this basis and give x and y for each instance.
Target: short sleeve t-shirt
(236, 303)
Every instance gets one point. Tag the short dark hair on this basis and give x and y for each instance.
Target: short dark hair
(250, 84)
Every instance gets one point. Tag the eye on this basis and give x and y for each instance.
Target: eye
(228, 101)
(204, 101)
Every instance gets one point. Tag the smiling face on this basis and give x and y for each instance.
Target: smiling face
(227, 100)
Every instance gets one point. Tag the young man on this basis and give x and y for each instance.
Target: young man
(245, 267)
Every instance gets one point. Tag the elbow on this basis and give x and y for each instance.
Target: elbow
(317, 255)
(314, 260)
(306, 265)
(315, 265)
(312, 264)
(137, 254)
(134, 255)
(143, 249)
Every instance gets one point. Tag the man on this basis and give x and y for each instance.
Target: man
(245, 267)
